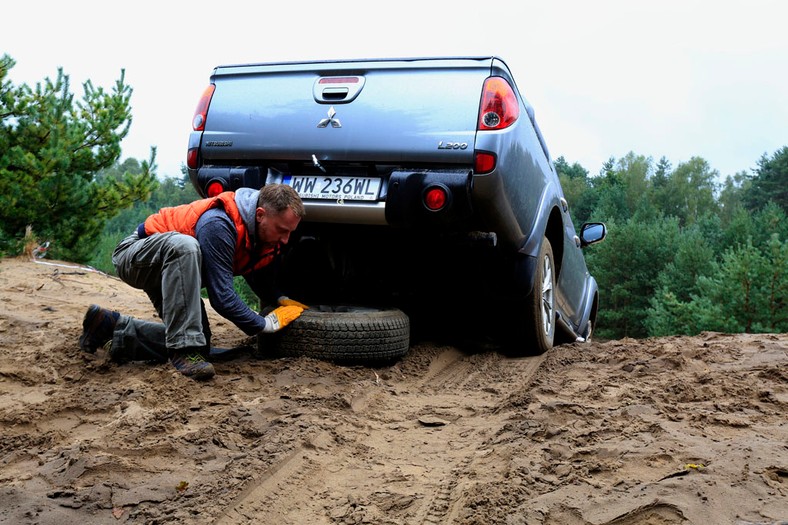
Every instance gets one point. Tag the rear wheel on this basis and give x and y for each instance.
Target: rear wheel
(541, 303)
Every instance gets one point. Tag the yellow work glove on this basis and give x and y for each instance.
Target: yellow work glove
(286, 301)
(281, 317)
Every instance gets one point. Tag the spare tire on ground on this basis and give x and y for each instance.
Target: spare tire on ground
(343, 334)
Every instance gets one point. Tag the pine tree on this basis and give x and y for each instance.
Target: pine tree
(770, 182)
(51, 148)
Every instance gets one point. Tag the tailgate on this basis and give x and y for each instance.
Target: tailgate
(392, 111)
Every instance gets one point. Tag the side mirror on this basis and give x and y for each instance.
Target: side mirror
(592, 233)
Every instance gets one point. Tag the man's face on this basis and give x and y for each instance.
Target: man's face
(275, 228)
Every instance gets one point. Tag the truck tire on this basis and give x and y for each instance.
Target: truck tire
(541, 316)
(342, 334)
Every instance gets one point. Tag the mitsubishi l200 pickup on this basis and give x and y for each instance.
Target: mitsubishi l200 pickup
(428, 186)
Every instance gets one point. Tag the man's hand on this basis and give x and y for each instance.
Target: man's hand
(281, 317)
(286, 301)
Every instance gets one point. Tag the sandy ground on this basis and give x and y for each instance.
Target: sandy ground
(659, 431)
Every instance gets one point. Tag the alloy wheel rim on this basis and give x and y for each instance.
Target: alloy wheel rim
(548, 306)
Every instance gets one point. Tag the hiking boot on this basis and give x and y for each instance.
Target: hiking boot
(97, 328)
(193, 365)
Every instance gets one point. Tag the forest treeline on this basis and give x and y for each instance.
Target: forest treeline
(686, 250)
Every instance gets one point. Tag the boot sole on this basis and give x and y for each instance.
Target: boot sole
(89, 323)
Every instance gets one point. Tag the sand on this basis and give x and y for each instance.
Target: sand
(657, 431)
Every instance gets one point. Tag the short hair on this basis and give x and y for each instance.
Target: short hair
(278, 197)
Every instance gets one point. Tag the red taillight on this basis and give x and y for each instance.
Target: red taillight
(435, 198)
(214, 188)
(499, 108)
(198, 122)
(483, 162)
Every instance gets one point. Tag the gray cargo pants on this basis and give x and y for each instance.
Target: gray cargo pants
(167, 267)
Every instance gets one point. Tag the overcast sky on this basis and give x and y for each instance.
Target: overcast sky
(672, 78)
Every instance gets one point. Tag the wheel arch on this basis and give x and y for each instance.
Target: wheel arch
(554, 232)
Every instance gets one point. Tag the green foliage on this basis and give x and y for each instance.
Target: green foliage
(731, 199)
(8, 245)
(621, 191)
(686, 254)
(611, 203)
(633, 172)
(751, 286)
(746, 290)
(757, 226)
(575, 171)
(578, 191)
(51, 148)
(692, 185)
(626, 267)
(669, 316)
(776, 284)
(737, 286)
(693, 258)
(770, 183)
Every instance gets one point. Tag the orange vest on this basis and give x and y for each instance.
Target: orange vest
(184, 219)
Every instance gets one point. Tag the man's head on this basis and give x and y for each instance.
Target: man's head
(279, 210)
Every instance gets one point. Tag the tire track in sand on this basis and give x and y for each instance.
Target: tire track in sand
(409, 443)
(482, 381)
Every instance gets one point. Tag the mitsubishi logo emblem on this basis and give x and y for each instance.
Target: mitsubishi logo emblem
(334, 121)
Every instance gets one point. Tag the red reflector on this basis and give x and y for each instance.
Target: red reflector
(483, 163)
(214, 188)
(191, 158)
(435, 198)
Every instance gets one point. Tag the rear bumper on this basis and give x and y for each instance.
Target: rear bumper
(401, 201)
(405, 205)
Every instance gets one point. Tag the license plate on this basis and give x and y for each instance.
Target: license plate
(335, 188)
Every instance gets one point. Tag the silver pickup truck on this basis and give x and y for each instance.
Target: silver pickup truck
(427, 184)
